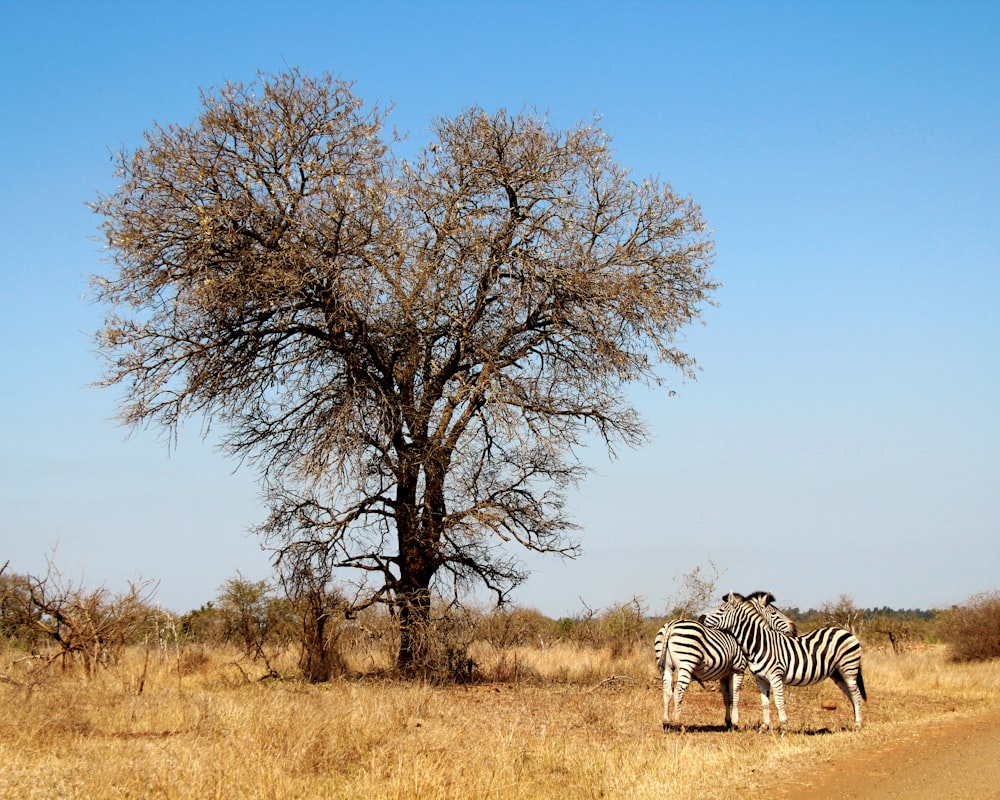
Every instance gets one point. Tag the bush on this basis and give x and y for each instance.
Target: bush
(843, 613)
(91, 627)
(973, 629)
(623, 628)
(515, 627)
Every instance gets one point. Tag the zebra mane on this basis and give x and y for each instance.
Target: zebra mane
(735, 598)
(747, 601)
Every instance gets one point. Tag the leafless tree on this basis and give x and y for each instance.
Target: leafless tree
(92, 626)
(844, 613)
(696, 592)
(411, 351)
(320, 613)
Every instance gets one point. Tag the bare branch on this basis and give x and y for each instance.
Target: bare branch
(411, 353)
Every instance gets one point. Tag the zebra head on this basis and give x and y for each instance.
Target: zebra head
(771, 614)
(734, 608)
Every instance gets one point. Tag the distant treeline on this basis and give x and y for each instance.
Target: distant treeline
(815, 615)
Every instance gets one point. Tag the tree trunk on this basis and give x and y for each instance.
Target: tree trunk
(415, 634)
(314, 660)
(418, 528)
(417, 645)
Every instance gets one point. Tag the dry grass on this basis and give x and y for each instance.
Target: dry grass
(576, 724)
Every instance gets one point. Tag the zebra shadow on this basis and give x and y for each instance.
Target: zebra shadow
(803, 731)
(670, 729)
(819, 731)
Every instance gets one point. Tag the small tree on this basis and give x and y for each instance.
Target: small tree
(696, 592)
(93, 626)
(205, 624)
(972, 630)
(901, 628)
(251, 615)
(843, 613)
(411, 350)
(320, 611)
(17, 615)
(624, 627)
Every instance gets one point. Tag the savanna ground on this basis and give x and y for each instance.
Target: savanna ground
(570, 722)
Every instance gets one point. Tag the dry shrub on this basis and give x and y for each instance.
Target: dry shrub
(493, 664)
(446, 643)
(518, 645)
(501, 636)
(973, 629)
(842, 613)
(192, 660)
(624, 628)
(512, 627)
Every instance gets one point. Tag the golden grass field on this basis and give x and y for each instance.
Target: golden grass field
(197, 724)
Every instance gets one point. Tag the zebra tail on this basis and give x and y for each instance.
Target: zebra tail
(860, 681)
(661, 651)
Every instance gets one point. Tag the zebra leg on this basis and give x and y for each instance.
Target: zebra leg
(683, 679)
(778, 688)
(849, 686)
(726, 688)
(732, 698)
(668, 691)
(765, 703)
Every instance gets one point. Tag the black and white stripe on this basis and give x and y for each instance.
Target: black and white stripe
(686, 649)
(777, 661)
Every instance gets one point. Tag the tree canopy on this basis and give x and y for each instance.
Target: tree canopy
(410, 350)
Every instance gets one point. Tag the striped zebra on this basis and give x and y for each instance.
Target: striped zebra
(777, 661)
(686, 649)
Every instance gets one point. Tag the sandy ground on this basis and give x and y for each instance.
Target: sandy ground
(957, 758)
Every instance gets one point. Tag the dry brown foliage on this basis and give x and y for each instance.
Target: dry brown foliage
(973, 629)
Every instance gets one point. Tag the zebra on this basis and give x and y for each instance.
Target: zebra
(777, 661)
(686, 649)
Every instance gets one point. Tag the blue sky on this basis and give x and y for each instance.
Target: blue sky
(843, 436)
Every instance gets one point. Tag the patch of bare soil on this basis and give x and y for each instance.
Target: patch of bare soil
(954, 758)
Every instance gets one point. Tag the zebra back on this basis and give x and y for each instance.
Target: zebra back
(803, 660)
(710, 654)
(713, 653)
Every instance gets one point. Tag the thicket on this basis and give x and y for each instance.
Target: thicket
(52, 620)
(973, 629)
(897, 628)
(303, 629)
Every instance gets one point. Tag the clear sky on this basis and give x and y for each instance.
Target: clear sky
(843, 436)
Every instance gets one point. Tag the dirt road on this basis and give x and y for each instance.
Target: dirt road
(957, 758)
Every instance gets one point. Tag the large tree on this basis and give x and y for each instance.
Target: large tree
(411, 351)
